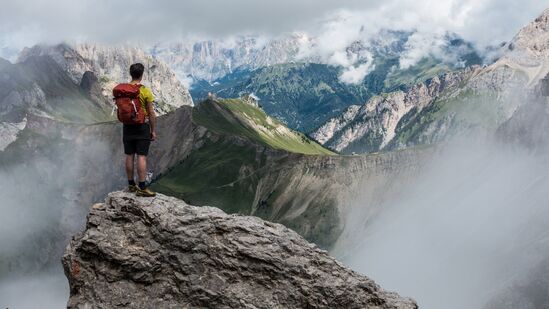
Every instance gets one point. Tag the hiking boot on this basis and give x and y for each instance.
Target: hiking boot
(133, 188)
(145, 192)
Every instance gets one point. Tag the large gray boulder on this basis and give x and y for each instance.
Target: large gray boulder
(162, 253)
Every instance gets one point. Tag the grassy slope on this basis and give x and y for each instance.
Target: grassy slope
(422, 71)
(78, 110)
(235, 117)
(239, 177)
(212, 176)
(243, 179)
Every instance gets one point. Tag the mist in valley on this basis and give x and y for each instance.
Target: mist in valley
(46, 289)
(45, 198)
(32, 239)
(464, 233)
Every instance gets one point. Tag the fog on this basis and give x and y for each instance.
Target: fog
(32, 238)
(471, 224)
(47, 289)
(46, 193)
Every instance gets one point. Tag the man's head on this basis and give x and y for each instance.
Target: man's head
(136, 71)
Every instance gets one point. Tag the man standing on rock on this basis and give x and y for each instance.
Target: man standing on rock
(135, 110)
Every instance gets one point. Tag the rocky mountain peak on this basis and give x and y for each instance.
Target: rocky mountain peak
(210, 60)
(163, 253)
(529, 49)
(372, 126)
(110, 64)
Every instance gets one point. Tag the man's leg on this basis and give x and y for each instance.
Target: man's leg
(129, 166)
(132, 187)
(142, 150)
(129, 151)
(141, 168)
(142, 174)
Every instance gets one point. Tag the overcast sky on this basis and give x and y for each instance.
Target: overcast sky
(24, 23)
(107, 20)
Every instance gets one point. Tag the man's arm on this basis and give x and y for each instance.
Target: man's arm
(152, 119)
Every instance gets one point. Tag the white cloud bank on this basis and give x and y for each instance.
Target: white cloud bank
(355, 74)
(334, 24)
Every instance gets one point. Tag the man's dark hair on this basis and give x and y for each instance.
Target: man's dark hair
(136, 70)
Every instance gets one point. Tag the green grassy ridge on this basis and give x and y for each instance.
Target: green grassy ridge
(422, 71)
(465, 111)
(231, 176)
(208, 176)
(249, 178)
(236, 117)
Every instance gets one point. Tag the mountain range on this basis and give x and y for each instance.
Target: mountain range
(474, 99)
(298, 85)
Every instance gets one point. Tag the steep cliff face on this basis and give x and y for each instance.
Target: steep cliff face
(370, 127)
(163, 253)
(471, 101)
(40, 86)
(531, 44)
(210, 60)
(527, 291)
(528, 127)
(110, 64)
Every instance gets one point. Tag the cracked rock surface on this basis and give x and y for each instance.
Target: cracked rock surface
(162, 253)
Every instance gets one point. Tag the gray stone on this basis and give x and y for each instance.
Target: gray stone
(162, 253)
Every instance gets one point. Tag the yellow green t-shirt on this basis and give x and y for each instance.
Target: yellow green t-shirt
(145, 97)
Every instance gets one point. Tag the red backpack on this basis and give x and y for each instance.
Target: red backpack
(126, 98)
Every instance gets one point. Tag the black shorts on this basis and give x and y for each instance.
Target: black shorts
(137, 139)
(140, 147)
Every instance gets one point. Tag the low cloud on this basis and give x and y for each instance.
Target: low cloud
(420, 45)
(145, 21)
(334, 26)
(460, 232)
(355, 74)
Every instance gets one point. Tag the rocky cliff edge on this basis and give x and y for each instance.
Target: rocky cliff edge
(162, 253)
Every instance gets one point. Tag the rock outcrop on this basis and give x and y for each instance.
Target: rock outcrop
(209, 60)
(163, 253)
(370, 127)
(530, 46)
(110, 64)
